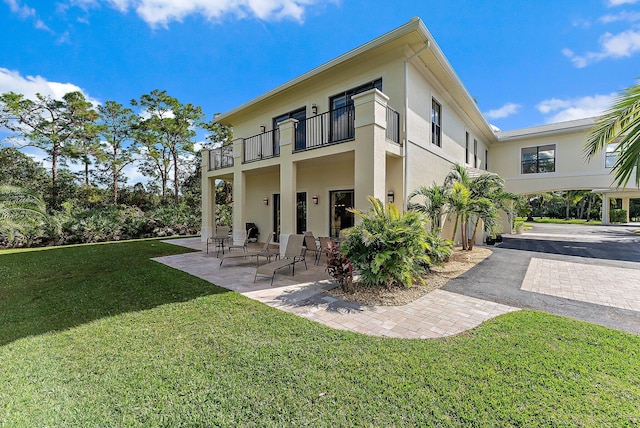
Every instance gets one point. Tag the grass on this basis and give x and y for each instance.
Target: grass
(562, 221)
(102, 336)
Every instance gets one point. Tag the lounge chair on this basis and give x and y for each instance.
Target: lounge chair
(264, 252)
(242, 246)
(293, 253)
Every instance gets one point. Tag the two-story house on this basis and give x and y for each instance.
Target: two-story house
(380, 120)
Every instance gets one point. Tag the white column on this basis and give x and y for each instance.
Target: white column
(605, 209)
(288, 178)
(370, 153)
(625, 206)
(208, 199)
(239, 193)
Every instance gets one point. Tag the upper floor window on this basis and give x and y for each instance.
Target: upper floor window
(611, 155)
(538, 159)
(466, 148)
(300, 132)
(475, 153)
(436, 123)
(344, 99)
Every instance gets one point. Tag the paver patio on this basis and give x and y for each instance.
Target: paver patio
(437, 314)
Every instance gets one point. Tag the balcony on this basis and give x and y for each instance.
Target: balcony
(261, 146)
(332, 127)
(221, 157)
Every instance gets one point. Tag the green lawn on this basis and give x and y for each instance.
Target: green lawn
(102, 336)
(562, 221)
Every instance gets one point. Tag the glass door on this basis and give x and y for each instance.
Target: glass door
(301, 213)
(340, 218)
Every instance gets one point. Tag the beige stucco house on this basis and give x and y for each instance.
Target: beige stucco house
(380, 120)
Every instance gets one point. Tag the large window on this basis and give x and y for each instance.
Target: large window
(300, 115)
(466, 150)
(341, 127)
(436, 123)
(611, 155)
(475, 153)
(538, 159)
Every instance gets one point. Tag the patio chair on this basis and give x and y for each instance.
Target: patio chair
(293, 253)
(242, 246)
(264, 252)
(326, 244)
(220, 235)
(311, 245)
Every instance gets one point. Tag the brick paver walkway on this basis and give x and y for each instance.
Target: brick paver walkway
(603, 285)
(437, 314)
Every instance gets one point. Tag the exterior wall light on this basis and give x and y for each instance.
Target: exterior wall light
(263, 129)
(390, 196)
(314, 109)
(265, 201)
(315, 199)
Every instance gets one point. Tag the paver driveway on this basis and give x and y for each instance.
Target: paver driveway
(590, 273)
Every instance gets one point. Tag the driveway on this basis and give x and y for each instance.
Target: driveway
(591, 273)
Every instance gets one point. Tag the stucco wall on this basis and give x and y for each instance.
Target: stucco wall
(572, 171)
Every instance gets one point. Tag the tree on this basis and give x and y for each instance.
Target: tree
(167, 132)
(620, 125)
(84, 143)
(18, 169)
(20, 211)
(46, 123)
(116, 126)
(434, 200)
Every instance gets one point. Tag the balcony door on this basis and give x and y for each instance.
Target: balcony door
(343, 112)
(340, 218)
(301, 127)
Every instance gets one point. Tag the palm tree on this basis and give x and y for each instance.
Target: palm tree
(486, 196)
(434, 202)
(20, 210)
(620, 125)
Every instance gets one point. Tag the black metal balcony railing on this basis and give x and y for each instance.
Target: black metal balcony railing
(221, 157)
(335, 126)
(262, 146)
(393, 125)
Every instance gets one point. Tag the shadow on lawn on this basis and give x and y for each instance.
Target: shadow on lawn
(60, 288)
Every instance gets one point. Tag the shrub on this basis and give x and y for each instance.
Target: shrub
(618, 216)
(340, 269)
(388, 248)
(440, 249)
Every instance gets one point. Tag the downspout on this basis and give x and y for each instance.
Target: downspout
(406, 121)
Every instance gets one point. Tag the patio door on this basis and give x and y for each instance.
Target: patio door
(301, 212)
(276, 217)
(340, 218)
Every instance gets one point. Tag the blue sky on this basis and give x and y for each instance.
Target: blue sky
(525, 62)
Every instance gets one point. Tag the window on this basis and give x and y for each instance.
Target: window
(300, 134)
(344, 99)
(343, 111)
(538, 159)
(486, 160)
(475, 153)
(466, 148)
(436, 123)
(611, 155)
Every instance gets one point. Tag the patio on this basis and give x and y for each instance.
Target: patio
(437, 314)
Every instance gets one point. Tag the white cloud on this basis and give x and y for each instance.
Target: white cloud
(29, 86)
(622, 16)
(574, 108)
(619, 45)
(614, 3)
(23, 11)
(162, 12)
(504, 111)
